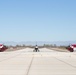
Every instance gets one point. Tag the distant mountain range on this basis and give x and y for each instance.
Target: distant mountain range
(58, 43)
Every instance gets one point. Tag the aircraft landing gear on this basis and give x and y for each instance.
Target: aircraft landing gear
(36, 50)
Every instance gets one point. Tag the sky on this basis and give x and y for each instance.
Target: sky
(37, 20)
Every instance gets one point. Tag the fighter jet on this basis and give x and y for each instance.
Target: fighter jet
(36, 49)
(71, 47)
(3, 47)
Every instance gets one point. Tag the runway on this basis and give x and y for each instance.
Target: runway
(45, 62)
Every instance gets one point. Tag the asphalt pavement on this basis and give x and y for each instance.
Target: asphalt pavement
(45, 62)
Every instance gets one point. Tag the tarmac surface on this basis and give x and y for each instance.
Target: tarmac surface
(45, 62)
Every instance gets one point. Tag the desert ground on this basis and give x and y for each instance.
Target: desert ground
(45, 62)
